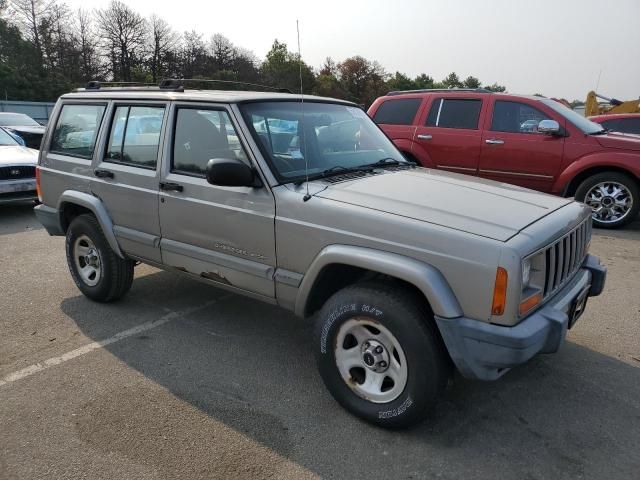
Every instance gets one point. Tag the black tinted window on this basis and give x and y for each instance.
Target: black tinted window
(516, 117)
(76, 130)
(624, 125)
(397, 112)
(455, 113)
(201, 135)
(135, 136)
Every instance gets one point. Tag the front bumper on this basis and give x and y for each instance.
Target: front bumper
(14, 191)
(485, 351)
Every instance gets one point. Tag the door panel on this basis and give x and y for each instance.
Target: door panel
(450, 134)
(512, 150)
(224, 234)
(126, 177)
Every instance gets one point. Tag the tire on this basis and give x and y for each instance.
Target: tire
(361, 310)
(601, 188)
(112, 276)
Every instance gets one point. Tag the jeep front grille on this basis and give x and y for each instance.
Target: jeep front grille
(17, 173)
(564, 257)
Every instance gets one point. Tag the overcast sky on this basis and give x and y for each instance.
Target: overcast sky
(554, 47)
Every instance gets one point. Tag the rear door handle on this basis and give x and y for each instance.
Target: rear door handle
(494, 141)
(170, 186)
(425, 137)
(100, 173)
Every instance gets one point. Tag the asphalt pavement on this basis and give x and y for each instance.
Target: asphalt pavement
(182, 380)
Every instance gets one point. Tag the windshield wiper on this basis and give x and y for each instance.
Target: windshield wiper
(600, 132)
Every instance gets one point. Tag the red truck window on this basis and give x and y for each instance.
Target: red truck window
(397, 112)
(455, 113)
(516, 117)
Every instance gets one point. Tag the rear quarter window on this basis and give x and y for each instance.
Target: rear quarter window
(397, 112)
(76, 130)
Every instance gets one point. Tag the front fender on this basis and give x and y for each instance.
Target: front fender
(618, 160)
(425, 277)
(96, 206)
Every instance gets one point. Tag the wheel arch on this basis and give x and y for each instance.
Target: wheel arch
(73, 203)
(337, 266)
(581, 176)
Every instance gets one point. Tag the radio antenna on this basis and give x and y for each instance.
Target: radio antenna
(302, 129)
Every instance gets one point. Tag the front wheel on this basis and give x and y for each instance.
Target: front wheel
(613, 197)
(380, 355)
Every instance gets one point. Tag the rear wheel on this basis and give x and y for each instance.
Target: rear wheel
(379, 354)
(614, 198)
(96, 269)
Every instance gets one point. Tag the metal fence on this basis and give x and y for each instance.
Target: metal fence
(39, 111)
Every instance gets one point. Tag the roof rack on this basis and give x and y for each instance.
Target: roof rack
(168, 84)
(431, 90)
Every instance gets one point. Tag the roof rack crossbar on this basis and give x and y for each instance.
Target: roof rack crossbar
(430, 90)
(169, 84)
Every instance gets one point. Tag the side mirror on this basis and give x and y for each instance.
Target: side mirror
(231, 172)
(549, 127)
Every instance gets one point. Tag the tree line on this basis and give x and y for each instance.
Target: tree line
(46, 49)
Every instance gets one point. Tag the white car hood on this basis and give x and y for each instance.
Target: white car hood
(17, 155)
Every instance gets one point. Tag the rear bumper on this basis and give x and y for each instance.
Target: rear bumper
(50, 219)
(485, 351)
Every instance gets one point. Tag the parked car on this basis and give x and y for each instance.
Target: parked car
(405, 271)
(26, 127)
(621, 122)
(17, 170)
(477, 132)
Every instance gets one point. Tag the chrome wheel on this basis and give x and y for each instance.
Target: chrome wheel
(370, 360)
(87, 260)
(610, 201)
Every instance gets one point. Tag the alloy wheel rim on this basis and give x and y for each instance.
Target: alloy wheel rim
(370, 360)
(87, 259)
(609, 201)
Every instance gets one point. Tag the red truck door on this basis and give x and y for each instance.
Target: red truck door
(449, 135)
(512, 149)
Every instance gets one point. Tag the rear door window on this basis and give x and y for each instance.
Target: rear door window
(135, 136)
(76, 130)
(397, 112)
(516, 117)
(461, 113)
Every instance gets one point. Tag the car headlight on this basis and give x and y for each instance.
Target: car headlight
(526, 272)
(533, 275)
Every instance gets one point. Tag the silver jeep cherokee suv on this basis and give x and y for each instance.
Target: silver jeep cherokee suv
(305, 203)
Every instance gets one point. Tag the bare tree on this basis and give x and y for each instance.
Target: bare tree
(124, 32)
(29, 14)
(87, 45)
(163, 41)
(222, 52)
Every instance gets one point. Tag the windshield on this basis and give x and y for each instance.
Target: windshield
(331, 137)
(584, 124)
(6, 139)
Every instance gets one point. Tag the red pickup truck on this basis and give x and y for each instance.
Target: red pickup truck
(534, 142)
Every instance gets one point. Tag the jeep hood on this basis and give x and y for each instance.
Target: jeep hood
(620, 140)
(481, 207)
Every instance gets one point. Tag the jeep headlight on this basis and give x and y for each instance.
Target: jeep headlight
(533, 275)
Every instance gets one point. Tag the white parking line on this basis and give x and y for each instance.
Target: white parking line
(51, 362)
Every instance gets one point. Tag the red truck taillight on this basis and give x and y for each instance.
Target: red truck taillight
(38, 190)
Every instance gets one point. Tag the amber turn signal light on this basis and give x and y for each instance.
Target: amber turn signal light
(500, 292)
(38, 191)
(529, 303)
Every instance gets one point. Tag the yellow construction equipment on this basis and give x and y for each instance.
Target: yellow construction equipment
(593, 107)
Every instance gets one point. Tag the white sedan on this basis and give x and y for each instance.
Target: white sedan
(17, 170)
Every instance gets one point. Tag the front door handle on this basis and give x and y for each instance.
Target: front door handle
(425, 137)
(100, 173)
(494, 141)
(170, 186)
